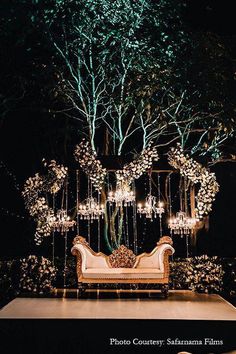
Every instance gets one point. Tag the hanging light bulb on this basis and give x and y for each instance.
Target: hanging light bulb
(151, 208)
(182, 224)
(91, 209)
(123, 195)
(61, 222)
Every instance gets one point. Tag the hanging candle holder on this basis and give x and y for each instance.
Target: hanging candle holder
(91, 209)
(123, 195)
(61, 222)
(182, 224)
(151, 208)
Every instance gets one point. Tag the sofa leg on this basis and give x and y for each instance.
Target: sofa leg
(165, 290)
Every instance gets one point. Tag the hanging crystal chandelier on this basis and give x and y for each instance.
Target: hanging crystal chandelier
(61, 222)
(91, 209)
(151, 208)
(123, 195)
(182, 224)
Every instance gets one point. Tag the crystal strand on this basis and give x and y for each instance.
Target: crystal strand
(127, 226)
(66, 207)
(159, 200)
(65, 260)
(88, 218)
(89, 229)
(144, 220)
(53, 232)
(99, 238)
(170, 205)
(187, 246)
(135, 223)
(77, 199)
(185, 196)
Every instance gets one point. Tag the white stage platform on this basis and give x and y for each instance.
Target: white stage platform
(181, 305)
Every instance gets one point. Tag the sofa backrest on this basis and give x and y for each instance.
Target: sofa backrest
(148, 260)
(89, 260)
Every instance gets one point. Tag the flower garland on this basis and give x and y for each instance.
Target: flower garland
(196, 173)
(136, 168)
(89, 163)
(37, 205)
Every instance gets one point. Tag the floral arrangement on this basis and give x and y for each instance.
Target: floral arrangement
(86, 157)
(36, 204)
(136, 168)
(201, 274)
(122, 258)
(196, 173)
(56, 176)
(37, 275)
(178, 273)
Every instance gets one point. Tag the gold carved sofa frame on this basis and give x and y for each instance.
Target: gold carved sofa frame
(123, 266)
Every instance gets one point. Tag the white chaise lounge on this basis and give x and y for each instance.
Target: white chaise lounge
(123, 266)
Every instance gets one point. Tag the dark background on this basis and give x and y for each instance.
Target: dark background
(29, 134)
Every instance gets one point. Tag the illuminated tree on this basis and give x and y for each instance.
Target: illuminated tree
(124, 74)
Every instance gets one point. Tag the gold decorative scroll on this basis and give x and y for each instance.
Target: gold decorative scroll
(165, 240)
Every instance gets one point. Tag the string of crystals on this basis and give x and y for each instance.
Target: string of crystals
(99, 227)
(53, 233)
(151, 207)
(77, 200)
(160, 206)
(135, 225)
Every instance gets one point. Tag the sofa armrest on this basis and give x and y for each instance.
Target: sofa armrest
(89, 258)
(164, 251)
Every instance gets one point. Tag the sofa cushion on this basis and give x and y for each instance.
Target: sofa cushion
(123, 273)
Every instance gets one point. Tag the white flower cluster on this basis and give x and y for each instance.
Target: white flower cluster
(205, 275)
(136, 168)
(36, 275)
(200, 273)
(37, 205)
(91, 166)
(32, 187)
(56, 176)
(196, 173)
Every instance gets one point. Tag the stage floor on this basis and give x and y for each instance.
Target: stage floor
(181, 305)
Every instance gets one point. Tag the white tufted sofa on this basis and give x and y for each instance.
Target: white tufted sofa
(122, 266)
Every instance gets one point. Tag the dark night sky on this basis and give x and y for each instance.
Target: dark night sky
(23, 145)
